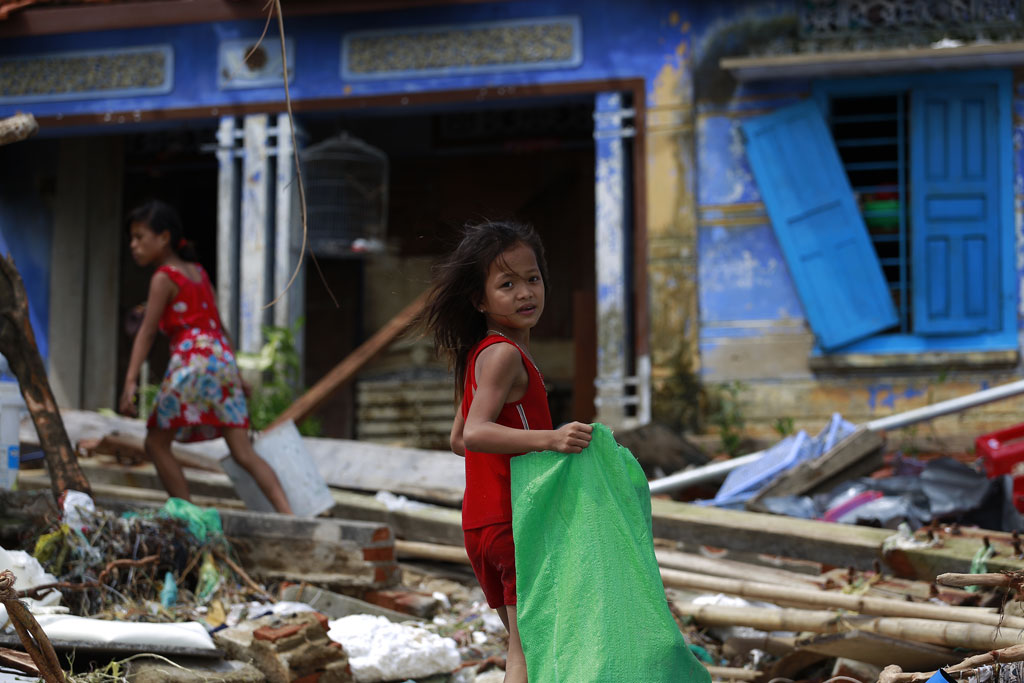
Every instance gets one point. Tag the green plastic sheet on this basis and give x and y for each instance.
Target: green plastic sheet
(591, 605)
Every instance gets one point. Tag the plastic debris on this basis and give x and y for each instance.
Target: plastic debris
(209, 578)
(381, 650)
(76, 506)
(169, 592)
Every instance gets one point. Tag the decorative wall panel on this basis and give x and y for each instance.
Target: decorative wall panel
(824, 19)
(87, 74)
(543, 43)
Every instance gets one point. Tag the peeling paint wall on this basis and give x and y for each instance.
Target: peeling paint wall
(752, 326)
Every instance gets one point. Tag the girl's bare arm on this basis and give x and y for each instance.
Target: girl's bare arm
(497, 368)
(161, 291)
(457, 442)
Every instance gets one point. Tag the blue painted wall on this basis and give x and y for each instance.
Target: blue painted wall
(620, 39)
(25, 231)
(744, 287)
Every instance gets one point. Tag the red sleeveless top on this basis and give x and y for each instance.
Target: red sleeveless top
(488, 498)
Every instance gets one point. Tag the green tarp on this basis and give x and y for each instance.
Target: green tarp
(591, 605)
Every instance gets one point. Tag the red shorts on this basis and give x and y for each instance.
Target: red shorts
(492, 553)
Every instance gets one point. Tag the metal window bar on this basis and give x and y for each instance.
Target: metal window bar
(868, 160)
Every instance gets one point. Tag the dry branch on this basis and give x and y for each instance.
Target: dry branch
(986, 580)
(18, 345)
(1014, 653)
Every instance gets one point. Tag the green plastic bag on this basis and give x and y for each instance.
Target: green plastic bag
(202, 522)
(591, 605)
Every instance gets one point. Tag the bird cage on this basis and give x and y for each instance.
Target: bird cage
(346, 184)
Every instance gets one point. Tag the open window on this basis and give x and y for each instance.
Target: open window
(891, 199)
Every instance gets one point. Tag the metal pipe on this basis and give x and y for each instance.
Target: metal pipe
(718, 470)
(953, 405)
(700, 475)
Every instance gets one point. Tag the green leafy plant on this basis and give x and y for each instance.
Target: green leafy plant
(727, 414)
(784, 426)
(278, 365)
(679, 400)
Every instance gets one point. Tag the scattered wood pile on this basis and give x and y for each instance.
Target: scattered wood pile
(758, 596)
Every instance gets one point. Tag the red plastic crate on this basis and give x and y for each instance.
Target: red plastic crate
(1002, 452)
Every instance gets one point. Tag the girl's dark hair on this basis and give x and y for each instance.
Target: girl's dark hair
(161, 217)
(451, 315)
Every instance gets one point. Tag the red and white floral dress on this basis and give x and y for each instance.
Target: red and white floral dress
(201, 393)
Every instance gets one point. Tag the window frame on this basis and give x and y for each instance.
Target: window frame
(1007, 337)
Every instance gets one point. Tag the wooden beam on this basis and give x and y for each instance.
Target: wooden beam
(343, 372)
(854, 456)
(841, 545)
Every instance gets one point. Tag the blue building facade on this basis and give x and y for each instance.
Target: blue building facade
(820, 205)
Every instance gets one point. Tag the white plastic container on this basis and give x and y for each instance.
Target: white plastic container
(12, 406)
(302, 482)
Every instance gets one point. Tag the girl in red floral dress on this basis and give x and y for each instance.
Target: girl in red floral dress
(201, 396)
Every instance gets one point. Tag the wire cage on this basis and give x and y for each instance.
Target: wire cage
(346, 184)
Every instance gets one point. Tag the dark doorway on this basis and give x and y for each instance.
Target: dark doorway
(171, 165)
(529, 160)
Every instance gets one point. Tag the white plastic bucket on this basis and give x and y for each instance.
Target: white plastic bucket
(302, 482)
(11, 408)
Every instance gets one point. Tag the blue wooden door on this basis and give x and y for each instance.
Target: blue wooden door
(818, 225)
(955, 209)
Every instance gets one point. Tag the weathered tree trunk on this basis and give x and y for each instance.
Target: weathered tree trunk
(17, 127)
(18, 345)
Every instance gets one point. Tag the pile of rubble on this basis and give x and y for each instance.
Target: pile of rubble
(378, 588)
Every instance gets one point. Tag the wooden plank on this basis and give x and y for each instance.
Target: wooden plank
(880, 650)
(840, 545)
(344, 371)
(437, 476)
(848, 459)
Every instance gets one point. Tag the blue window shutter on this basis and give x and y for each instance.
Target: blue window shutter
(954, 209)
(818, 225)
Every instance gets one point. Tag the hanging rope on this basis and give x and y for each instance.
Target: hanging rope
(34, 640)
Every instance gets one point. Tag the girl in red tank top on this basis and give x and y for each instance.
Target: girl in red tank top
(201, 394)
(486, 298)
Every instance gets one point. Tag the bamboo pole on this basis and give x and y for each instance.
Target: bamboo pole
(690, 562)
(431, 551)
(948, 634)
(885, 607)
(732, 673)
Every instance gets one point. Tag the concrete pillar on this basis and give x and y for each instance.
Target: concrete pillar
(612, 235)
(287, 232)
(228, 214)
(254, 276)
